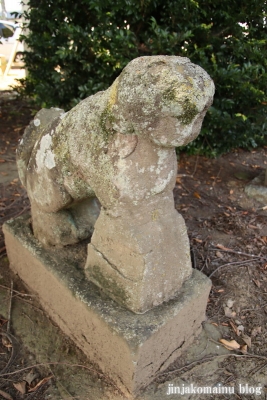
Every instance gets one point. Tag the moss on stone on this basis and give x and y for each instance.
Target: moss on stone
(109, 285)
(67, 170)
(60, 147)
(113, 93)
(169, 94)
(106, 121)
(189, 112)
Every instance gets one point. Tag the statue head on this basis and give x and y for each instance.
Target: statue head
(162, 97)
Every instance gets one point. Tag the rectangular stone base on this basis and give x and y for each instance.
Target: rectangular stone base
(131, 349)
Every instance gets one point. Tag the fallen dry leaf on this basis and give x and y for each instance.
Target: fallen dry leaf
(234, 328)
(230, 345)
(240, 328)
(20, 386)
(219, 254)
(247, 340)
(29, 378)
(198, 240)
(6, 342)
(222, 247)
(256, 331)
(253, 227)
(197, 195)
(257, 282)
(230, 208)
(229, 313)
(244, 348)
(42, 382)
(228, 373)
(6, 395)
(230, 303)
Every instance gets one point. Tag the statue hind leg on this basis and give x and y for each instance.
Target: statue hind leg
(66, 226)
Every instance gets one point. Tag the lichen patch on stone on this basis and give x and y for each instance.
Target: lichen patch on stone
(44, 155)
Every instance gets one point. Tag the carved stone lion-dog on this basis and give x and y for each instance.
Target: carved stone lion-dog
(118, 146)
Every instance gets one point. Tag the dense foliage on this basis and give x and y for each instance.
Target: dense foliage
(79, 47)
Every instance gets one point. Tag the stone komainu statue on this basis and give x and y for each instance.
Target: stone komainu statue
(118, 146)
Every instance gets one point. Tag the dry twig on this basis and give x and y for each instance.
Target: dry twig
(11, 339)
(10, 308)
(17, 292)
(105, 377)
(240, 253)
(258, 369)
(196, 164)
(210, 358)
(235, 263)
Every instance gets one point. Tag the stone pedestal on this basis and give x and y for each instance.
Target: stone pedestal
(131, 349)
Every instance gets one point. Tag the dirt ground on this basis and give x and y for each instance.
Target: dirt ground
(228, 236)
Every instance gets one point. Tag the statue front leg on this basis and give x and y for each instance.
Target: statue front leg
(142, 258)
(139, 252)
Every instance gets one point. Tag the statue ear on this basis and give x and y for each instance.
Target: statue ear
(125, 145)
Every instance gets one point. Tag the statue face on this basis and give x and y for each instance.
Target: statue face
(166, 99)
(171, 132)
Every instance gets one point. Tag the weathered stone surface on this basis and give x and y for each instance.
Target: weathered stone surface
(257, 188)
(119, 145)
(131, 349)
(140, 261)
(32, 135)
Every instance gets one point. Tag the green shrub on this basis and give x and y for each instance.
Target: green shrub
(79, 48)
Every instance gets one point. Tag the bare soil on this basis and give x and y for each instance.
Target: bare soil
(228, 236)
